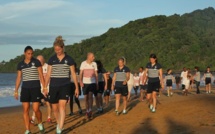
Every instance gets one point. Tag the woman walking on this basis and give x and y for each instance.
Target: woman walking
(60, 69)
(29, 71)
(155, 80)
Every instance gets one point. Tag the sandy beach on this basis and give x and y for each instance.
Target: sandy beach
(192, 114)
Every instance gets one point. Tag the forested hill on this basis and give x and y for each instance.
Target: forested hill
(186, 40)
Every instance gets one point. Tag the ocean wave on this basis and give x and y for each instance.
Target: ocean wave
(7, 91)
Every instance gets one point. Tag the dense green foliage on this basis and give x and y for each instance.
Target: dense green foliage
(186, 40)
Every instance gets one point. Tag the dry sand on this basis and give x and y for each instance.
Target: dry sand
(192, 114)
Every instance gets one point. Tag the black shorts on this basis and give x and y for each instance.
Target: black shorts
(143, 87)
(153, 87)
(107, 92)
(136, 88)
(73, 89)
(89, 88)
(123, 90)
(59, 93)
(183, 86)
(169, 83)
(208, 81)
(31, 95)
(101, 88)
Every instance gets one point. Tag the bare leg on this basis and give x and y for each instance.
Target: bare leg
(49, 110)
(129, 96)
(26, 107)
(56, 112)
(37, 111)
(90, 102)
(154, 98)
(124, 102)
(117, 101)
(62, 109)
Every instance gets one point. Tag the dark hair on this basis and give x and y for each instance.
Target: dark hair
(197, 68)
(168, 70)
(28, 48)
(141, 67)
(154, 57)
(99, 64)
(208, 67)
(122, 59)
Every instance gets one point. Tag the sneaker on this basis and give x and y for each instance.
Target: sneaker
(151, 107)
(159, 95)
(167, 95)
(49, 120)
(206, 92)
(71, 114)
(27, 132)
(80, 111)
(209, 92)
(171, 94)
(153, 110)
(117, 113)
(58, 131)
(101, 110)
(124, 112)
(32, 121)
(41, 128)
(90, 114)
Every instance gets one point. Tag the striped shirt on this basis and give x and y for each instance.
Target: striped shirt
(169, 77)
(60, 73)
(153, 72)
(208, 74)
(30, 75)
(89, 72)
(120, 75)
(101, 72)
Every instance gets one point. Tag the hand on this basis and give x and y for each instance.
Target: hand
(105, 88)
(112, 87)
(45, 92)
(76, 92)
(124, 82)
(81, 84)
(16, 95)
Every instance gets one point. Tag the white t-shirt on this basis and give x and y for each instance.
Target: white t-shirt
(186, 82)
(89, 71)
(141, 78)
(183, 76)
(136, 80)
(131, 80)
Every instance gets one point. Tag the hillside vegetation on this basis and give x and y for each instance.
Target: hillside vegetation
(186, 40)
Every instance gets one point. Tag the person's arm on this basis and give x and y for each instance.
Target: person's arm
(97, 80)
(113, 81)
(18, 82)
(47, 79)
(105, 80)
(42, 81)
(161, 78)
(127, 78)
(81, 78)
(74, 77)
(144, 76)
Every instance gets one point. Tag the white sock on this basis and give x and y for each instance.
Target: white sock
(33, 118)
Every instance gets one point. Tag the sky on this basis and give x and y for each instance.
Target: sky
(38, 22)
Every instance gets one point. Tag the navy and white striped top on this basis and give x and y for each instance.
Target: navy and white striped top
(169, 77)
(120, 75)
(153, 72)
(30, 75)
(60, 74)
(100, 74)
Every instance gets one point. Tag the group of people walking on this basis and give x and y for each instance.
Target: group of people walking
(60, 82)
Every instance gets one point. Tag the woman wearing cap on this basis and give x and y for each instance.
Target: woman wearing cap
(155, 80)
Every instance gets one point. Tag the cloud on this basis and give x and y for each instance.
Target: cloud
(16, 9)
(106, 22)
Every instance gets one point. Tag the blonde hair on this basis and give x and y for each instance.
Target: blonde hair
(59, 41)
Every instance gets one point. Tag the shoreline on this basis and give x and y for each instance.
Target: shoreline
(178, 114)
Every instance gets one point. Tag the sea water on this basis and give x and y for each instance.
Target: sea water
(7, 86)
